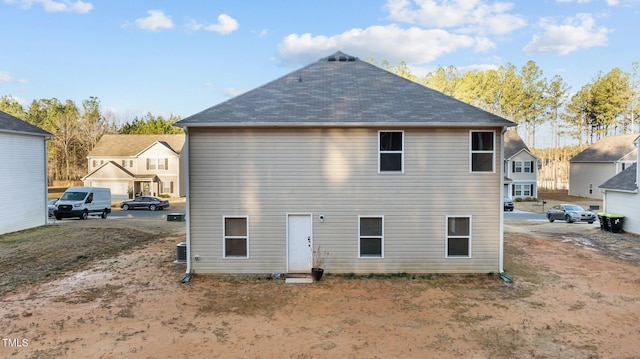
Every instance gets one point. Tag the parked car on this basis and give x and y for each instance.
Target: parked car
(508, 204)
(51, 206)
(570, 213)
(145, 202)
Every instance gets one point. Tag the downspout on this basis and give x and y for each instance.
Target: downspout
(185, 150)
(46, 179)
(501, 255)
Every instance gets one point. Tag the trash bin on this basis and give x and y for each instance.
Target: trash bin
(604, 221)
(615, 222)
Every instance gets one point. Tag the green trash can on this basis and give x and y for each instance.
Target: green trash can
(615, 222)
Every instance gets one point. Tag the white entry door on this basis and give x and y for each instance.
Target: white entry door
(299, 241)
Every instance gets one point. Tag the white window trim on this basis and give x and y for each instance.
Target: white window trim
(381, 237)
(471, 152)
(446, 235)
(519, 165)
(224, 238)
(527, 165)
(400, 152)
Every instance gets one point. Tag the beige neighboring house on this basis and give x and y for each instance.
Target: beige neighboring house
(384, 174)
(520, 167)
(598, 163)
(621, 195)
(144, 164)
(23, 174)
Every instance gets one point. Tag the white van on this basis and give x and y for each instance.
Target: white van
(83, 201)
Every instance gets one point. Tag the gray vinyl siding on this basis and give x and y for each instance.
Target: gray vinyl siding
(267, 173)
(583, 173)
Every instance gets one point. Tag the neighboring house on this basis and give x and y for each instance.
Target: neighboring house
(621, 195)
(601, 161)
(383, 173)
(520, 167)
(143, 164)
(23, 174)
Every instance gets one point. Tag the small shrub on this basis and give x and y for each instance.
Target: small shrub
(163, 195)
(518, 199)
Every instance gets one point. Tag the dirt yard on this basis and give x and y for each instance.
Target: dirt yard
(575, 294)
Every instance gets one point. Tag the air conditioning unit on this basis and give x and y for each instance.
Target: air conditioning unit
(181, 253)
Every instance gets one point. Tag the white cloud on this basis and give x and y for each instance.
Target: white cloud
(463, 16)
(233, 92)
(156, 20)
(78, 6)
(391, 43)
(226, 24)
(6, 78)
(575, 33)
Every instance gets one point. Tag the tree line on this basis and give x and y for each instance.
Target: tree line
(77, 130)
(608, 105)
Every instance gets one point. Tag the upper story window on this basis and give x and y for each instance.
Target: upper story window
(483, 151)
(157, 163)
(522, 166)
(127, 163)
(97, 163)
(391, 152)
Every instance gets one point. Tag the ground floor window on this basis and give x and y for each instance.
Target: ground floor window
(458, 236)
(371, 236)
(236, 237)
(523, 190)
(167, 187)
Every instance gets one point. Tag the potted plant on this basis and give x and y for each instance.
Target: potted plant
(130, 192)
(317, 262)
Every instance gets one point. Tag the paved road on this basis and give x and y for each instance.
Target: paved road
(522, 215)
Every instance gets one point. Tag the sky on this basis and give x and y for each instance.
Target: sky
(178, 58)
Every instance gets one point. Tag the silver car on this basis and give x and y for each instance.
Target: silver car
(570, 213)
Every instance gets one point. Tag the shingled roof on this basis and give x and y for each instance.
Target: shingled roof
(623, 181)
(608, 149)
(131, 145)
(513, 144)
(13, 124)
(341, 90)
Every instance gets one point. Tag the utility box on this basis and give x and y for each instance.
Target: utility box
(175, 217)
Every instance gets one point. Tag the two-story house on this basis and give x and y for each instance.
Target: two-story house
(384, 174)
(142, 164)
(520, 167)
(598, 163)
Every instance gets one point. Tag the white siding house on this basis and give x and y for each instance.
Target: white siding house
(601, 161)
(23, 174)
(621, 195)
(520, 167)
(383, 173)
(145, 164)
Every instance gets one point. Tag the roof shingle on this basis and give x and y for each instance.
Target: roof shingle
(131, 145)
(341, 90)
(13, 124)
(608, 149)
